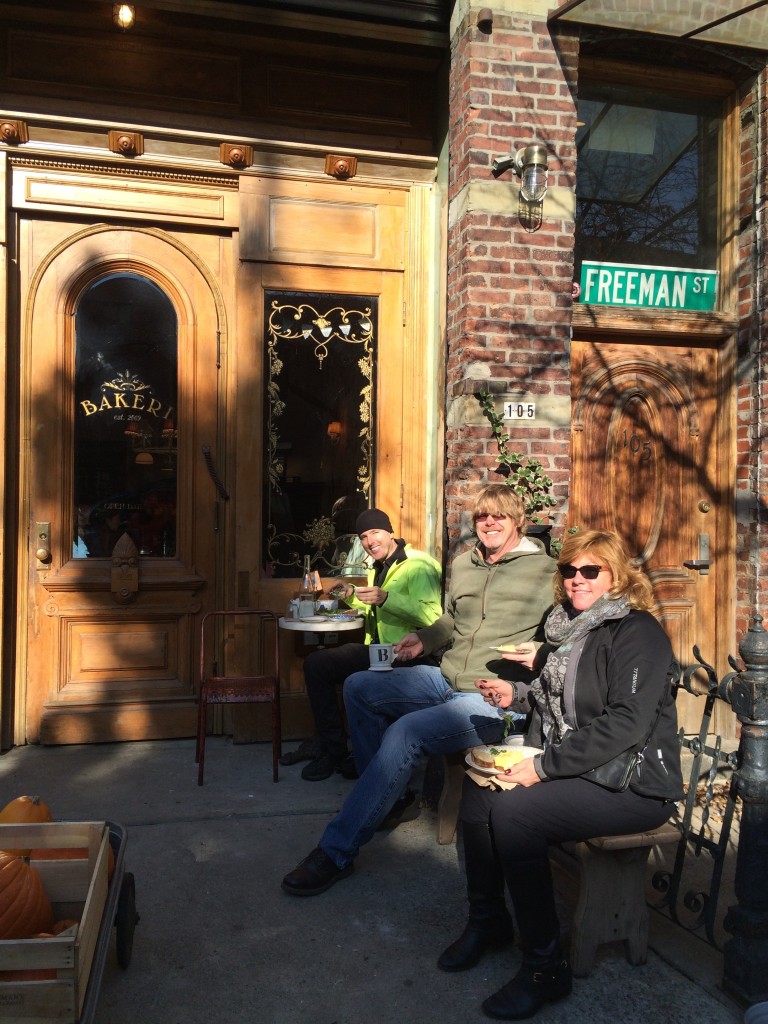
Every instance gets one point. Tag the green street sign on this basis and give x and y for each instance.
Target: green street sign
(629, 284)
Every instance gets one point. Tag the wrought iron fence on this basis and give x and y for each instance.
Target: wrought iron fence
(691, 886)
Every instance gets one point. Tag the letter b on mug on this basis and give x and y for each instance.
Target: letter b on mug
(382, 656)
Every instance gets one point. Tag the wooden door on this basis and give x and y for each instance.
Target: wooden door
(121, 512)
(652, 460)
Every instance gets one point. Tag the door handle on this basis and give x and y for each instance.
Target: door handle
(703, 562)
(213, 473)
(43, 542)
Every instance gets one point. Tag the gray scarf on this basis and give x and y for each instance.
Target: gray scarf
(565, 631)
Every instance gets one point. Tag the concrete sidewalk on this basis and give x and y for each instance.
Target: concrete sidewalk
(218, 941)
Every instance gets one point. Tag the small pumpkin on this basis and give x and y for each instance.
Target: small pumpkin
(24, 906)
(25, 810)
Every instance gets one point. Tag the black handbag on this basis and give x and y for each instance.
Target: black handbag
(616, 774)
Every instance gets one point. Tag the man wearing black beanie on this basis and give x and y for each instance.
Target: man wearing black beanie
(403, 594)
(500, 594)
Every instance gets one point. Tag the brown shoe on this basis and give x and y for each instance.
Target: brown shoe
(314, 875)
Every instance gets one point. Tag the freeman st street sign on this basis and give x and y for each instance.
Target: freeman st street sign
(628, 284)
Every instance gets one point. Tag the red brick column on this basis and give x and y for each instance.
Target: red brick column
(752, 383)
(509, 289)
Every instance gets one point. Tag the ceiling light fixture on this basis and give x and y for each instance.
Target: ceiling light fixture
(124, 16)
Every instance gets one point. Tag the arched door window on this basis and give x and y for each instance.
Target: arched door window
(125, 418)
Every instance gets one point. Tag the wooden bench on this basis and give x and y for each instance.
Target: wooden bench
(612, 904)
(610, 871)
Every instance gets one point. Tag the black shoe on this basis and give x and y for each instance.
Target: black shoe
(321, 768)
(307, 750)
(476, 938)
(346, 768)
(529, 990)
(402, 810)
(314, 875)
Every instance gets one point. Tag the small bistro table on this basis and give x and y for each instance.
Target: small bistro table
(321, 627)
(322, 630)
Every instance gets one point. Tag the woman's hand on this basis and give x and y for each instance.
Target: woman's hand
(496, 692)
(522, 774)
(524, 654)
(409, 647)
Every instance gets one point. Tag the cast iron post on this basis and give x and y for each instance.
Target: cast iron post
(746, 954)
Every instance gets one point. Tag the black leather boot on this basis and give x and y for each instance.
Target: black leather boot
(544, 976)
(489, 925)
(529, 990)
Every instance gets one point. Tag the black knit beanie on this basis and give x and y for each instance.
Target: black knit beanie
(373, 519)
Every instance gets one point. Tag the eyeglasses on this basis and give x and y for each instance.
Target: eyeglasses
(589, 572)
(495, 516)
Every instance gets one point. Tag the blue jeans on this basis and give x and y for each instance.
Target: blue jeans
(430, 718)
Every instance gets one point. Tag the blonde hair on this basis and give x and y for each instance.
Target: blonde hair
(498, 499)
(605, 547)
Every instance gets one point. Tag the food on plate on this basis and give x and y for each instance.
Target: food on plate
(509, 648)
(498, 758)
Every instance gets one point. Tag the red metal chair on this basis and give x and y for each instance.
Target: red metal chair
(238, 688)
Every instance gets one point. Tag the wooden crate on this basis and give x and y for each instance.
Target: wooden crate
(77, 889)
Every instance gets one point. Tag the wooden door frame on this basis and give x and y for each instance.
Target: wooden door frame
(131, 248)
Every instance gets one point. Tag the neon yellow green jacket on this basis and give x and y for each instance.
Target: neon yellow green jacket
(414, 598)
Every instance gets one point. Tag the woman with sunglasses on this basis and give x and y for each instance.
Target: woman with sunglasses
(604, 687)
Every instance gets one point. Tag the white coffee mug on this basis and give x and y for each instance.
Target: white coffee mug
(381, 656)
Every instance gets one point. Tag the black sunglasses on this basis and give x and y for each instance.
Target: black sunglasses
(589, 572)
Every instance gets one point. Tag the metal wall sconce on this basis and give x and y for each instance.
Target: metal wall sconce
(124, 16)
(530, 164)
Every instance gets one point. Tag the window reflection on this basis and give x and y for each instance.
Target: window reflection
(647, 177)
(125, 433)
(320, 359)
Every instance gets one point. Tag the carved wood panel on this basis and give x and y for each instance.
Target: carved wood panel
(651, 460)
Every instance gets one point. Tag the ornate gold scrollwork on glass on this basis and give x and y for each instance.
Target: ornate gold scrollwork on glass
(320, 352)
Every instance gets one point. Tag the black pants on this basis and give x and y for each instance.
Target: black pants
(525, 821)
(323, 671)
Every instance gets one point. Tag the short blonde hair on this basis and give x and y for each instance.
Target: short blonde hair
(605, 547)
(500, 499)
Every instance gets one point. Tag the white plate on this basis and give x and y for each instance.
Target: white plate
(342, 618)
(313, 618)
(525, 751)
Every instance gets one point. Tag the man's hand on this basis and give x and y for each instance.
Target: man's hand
(371, 595)
(524, 654)
(496, 692)
(409, 647)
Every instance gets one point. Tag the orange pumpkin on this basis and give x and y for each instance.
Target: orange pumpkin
(24, 905)
(25, 810)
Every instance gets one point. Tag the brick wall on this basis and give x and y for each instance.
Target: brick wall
(752, 385)
(509, 289)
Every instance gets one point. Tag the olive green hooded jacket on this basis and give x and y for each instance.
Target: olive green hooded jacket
(489, 605)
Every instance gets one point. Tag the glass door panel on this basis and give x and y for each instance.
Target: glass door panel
(125, 426)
